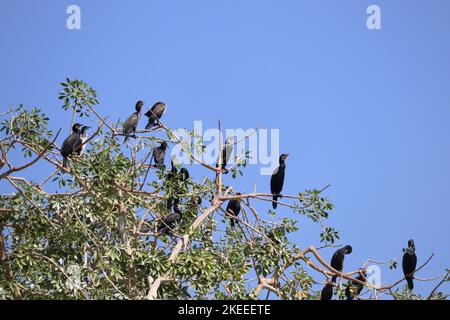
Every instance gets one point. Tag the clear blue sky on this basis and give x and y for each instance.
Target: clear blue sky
(365, 111)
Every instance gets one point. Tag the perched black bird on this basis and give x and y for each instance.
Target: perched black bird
(277, 180)
(227, 150)
(168, 223)
(171, 175)
(354, 289)
(234, 208)
(159, 153)
(183, 175)
(83, 137)
(180, 179)
(130, 125)
(337, 261)
(409, 263)
(69, 145)
(154, 114)
(327, 292)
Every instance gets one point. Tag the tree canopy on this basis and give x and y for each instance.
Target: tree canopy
(97, 236)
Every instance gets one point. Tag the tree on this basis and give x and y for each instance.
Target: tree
(96, 236)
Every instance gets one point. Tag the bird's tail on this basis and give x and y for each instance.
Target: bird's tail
(149, 125)
(274, 203)
(126, 138)
(232, 222)
(409, 280)
(65, 162)
(333, 279)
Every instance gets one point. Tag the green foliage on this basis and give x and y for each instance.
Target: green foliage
(78, 96)
(94, 238)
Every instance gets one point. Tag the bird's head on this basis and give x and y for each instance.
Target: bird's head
(283, 157)
(76, 127)
(84, 128)
(139, 105)
(348, 249)
(159, 104)
(411, 243)
(163, 145)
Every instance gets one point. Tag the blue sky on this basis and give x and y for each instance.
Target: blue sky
(365, 111)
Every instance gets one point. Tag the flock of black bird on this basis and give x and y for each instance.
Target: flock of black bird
(75, 142)
(354, 289)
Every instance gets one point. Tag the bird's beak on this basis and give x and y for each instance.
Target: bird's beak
(287, 155)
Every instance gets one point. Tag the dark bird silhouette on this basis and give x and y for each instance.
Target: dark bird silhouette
(277, 180)
(327, 292)
(354, 289)
(180, 179)
(171, 175)
(337, 261)
(154, 114)
(409, 263)
(234, 208)
(183, 175)
(169, 222)
(227, 150)
(130, 125)
(69, 145)
(159, 153)
(79, 149)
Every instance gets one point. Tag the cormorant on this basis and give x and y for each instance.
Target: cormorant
(183, 175)
(83, 137)
(168, 223)
(130, 125)
(327, 292)
(409, 263)
(234, 208)
(277, 180)
(69, 145)
(154, 114)
(171, 175)
(227, 150)
(354, 289)
(337, 261)
(159, 153)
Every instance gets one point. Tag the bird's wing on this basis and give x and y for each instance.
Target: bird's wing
(130, 124)
(69, 144)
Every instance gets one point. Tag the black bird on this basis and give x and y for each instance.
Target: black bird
(83, 137)
(354, 289)
(227, 150)
(234, 208)
(169, 222)
(69, 145)
(130, 125)
(183, 175)
(277, 180)
(154, 114)
(327, 292)
(171, 175)
(337, 261)
(180, 179)
(159, 153)
(409, 263)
